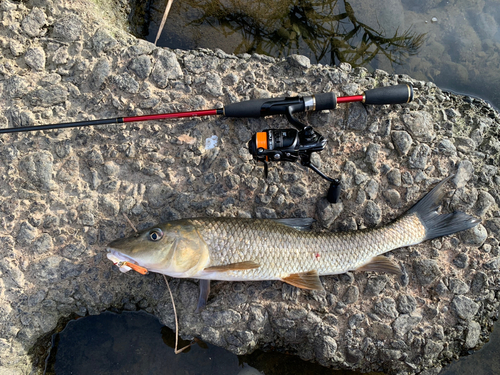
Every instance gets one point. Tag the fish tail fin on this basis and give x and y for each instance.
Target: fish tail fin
(438, 225)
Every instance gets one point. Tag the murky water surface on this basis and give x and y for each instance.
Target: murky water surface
(136, 343)
(453, 43)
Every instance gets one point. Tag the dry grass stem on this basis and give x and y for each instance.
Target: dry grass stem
(162, 24)
(176, 324)
(128, 220)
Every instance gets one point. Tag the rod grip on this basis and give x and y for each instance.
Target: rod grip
(398, 94)
(249, 108)
(325, 101)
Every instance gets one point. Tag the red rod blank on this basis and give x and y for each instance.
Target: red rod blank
(206, 112)
(349, 99)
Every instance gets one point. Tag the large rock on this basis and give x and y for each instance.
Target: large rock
(64, 193)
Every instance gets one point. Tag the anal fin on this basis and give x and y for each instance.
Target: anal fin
(304, 280)
(381, 263)
(239, 266)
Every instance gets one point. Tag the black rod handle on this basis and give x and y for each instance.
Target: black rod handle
(280, 106)
(398, 94)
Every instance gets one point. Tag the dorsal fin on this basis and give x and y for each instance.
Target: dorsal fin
(296, 222)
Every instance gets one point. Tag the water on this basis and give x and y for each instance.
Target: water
(136, 343)
(455, 43)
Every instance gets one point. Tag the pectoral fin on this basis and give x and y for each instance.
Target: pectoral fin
(204, 292)
(381, 264)
(304, 280)
(240, 266)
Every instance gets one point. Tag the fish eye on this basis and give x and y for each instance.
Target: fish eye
(155, 234)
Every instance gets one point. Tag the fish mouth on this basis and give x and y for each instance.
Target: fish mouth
(116, 257)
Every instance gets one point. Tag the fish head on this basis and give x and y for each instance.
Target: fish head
(174, 248)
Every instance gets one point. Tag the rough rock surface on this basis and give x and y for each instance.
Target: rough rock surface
(64, 193)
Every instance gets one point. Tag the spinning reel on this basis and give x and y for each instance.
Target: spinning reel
(299, 144)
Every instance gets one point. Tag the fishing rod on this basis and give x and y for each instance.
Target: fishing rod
(271, 144)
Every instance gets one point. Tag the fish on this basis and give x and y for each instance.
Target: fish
(247, 249)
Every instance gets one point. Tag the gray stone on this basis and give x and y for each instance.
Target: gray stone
(380, 331)
(299, 61)
(166, 68)
(394, 177)
(465, 144)
(27, 234)
(16, 87)
(355, 320)
(464, 198)
(457, 286)
(464, 173)
(426, 271)
(200, 64)
(461, 260)
(327, 212)
(493, 226)
(68, 28)
(446, 147)
(50, 96)
(493, 264)
(101, 71)
(298, 190)
(102, 41)
(372, 214)
(419, 157)
(371, 156)
(386, 307)
(351, 295)
(32, 24)
(38, 169)
(325, 347)
(141, 66)
(375, 285)
(126, 83)
(43, 244)
(35, 58)
(432, 349)
(73, 251)
(406, 304)
(265, 213)
(402, 141)
(371, 189)
(405, 323)
(213, 84)
(474, 236)
(478, 282)
(393, 198)
(484, 202)
(357, 117)
(420, 125)
(473, 333)
(464, 307)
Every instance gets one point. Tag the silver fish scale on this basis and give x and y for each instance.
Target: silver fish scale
(281, 250)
